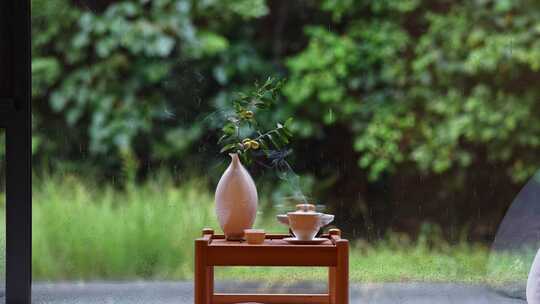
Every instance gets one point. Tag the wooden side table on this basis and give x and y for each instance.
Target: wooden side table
(213, 250)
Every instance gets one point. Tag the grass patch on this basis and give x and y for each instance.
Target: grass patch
(82, 231)
(469, 264)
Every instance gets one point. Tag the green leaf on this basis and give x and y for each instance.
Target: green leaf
(264, 146)
(287, 132)
(228, 147)
(288, 122)
(229, 129)
(58, 101)
(274, 142)
(282, 136)
(222, 138)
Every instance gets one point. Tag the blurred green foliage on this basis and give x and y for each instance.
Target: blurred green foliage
(426, 84)
(113, 79)
(436, 85)
(111, 234)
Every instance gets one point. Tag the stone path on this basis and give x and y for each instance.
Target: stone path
(182, 292)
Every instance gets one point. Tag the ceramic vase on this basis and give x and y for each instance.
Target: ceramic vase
(533, 284)
(236, 200)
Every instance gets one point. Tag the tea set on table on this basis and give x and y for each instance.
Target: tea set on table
(236, 208)
(304, 223)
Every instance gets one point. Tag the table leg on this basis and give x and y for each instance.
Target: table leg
(332, 284)
(210, 283)
(201, 273)
(342, 273)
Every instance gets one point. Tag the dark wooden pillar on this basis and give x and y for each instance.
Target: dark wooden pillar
(15, 118)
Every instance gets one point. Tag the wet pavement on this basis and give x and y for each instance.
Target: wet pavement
(182, 292)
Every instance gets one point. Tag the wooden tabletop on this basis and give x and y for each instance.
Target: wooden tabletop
(271, 240)
(267, 242)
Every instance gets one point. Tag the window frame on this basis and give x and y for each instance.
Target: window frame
(15, 119)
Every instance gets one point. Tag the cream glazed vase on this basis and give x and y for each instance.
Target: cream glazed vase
(236, 200)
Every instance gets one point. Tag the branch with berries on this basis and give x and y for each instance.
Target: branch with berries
(243, 134)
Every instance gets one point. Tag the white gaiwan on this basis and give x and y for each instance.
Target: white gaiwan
(305, 222)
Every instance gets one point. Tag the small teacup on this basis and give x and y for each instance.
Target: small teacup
(254, 236)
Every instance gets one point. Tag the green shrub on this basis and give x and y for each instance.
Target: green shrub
(408, 82)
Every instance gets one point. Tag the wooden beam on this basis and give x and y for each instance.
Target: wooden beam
(272, 256)
(227, 298)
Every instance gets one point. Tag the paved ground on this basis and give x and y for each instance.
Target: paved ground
(181, 292)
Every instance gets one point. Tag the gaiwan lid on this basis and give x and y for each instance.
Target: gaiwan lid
(305, 209)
